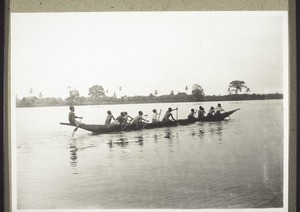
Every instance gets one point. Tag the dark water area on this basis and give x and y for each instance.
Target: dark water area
(236, 163)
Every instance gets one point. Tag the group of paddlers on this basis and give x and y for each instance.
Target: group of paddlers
(201, 112)
(124, 119)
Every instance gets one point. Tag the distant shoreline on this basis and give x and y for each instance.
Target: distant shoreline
(48, 102)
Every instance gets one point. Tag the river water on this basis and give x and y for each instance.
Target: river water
(236, 163)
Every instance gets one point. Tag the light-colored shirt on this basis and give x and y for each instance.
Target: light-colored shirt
(155, 116)
(219, 109)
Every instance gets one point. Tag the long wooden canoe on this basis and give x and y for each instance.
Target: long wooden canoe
(100, 129)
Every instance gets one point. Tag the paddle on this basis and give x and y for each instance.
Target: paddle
(127, 124)
(159, 115)
(76, 127)
(145, 120)
(145, 124)
(177, 116)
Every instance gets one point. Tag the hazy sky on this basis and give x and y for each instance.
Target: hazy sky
(146, 51)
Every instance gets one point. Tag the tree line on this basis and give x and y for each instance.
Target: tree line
(97, 95)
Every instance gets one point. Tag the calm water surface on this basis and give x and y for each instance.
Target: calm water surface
(231, 164)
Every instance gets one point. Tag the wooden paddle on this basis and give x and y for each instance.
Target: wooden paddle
(177, 116)
(159, 115)
(127, 124)
(76, 127)
(145, 124)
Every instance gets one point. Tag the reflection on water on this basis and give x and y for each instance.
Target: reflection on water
(155, 138)
(168, 134)
(122, 142)
(215, 129)
(73, 155)
(203, 131)
(219, 130)
(140, 140)
(110, 144)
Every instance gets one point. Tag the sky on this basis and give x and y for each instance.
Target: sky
(146, 51)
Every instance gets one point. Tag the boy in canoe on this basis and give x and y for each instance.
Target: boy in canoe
(191, 115)
(120, 120)
(168, 115)
(73, 117)
(211, 112)
(139, 119)
(154, 116)
(126, 117)
(201, 113)
(109, 117)
(219, 109)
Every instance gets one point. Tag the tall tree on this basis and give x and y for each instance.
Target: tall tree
(96, 92)
(186, 88)
(73, 95)
(236, 86)
(155, 92)
(197, 92)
